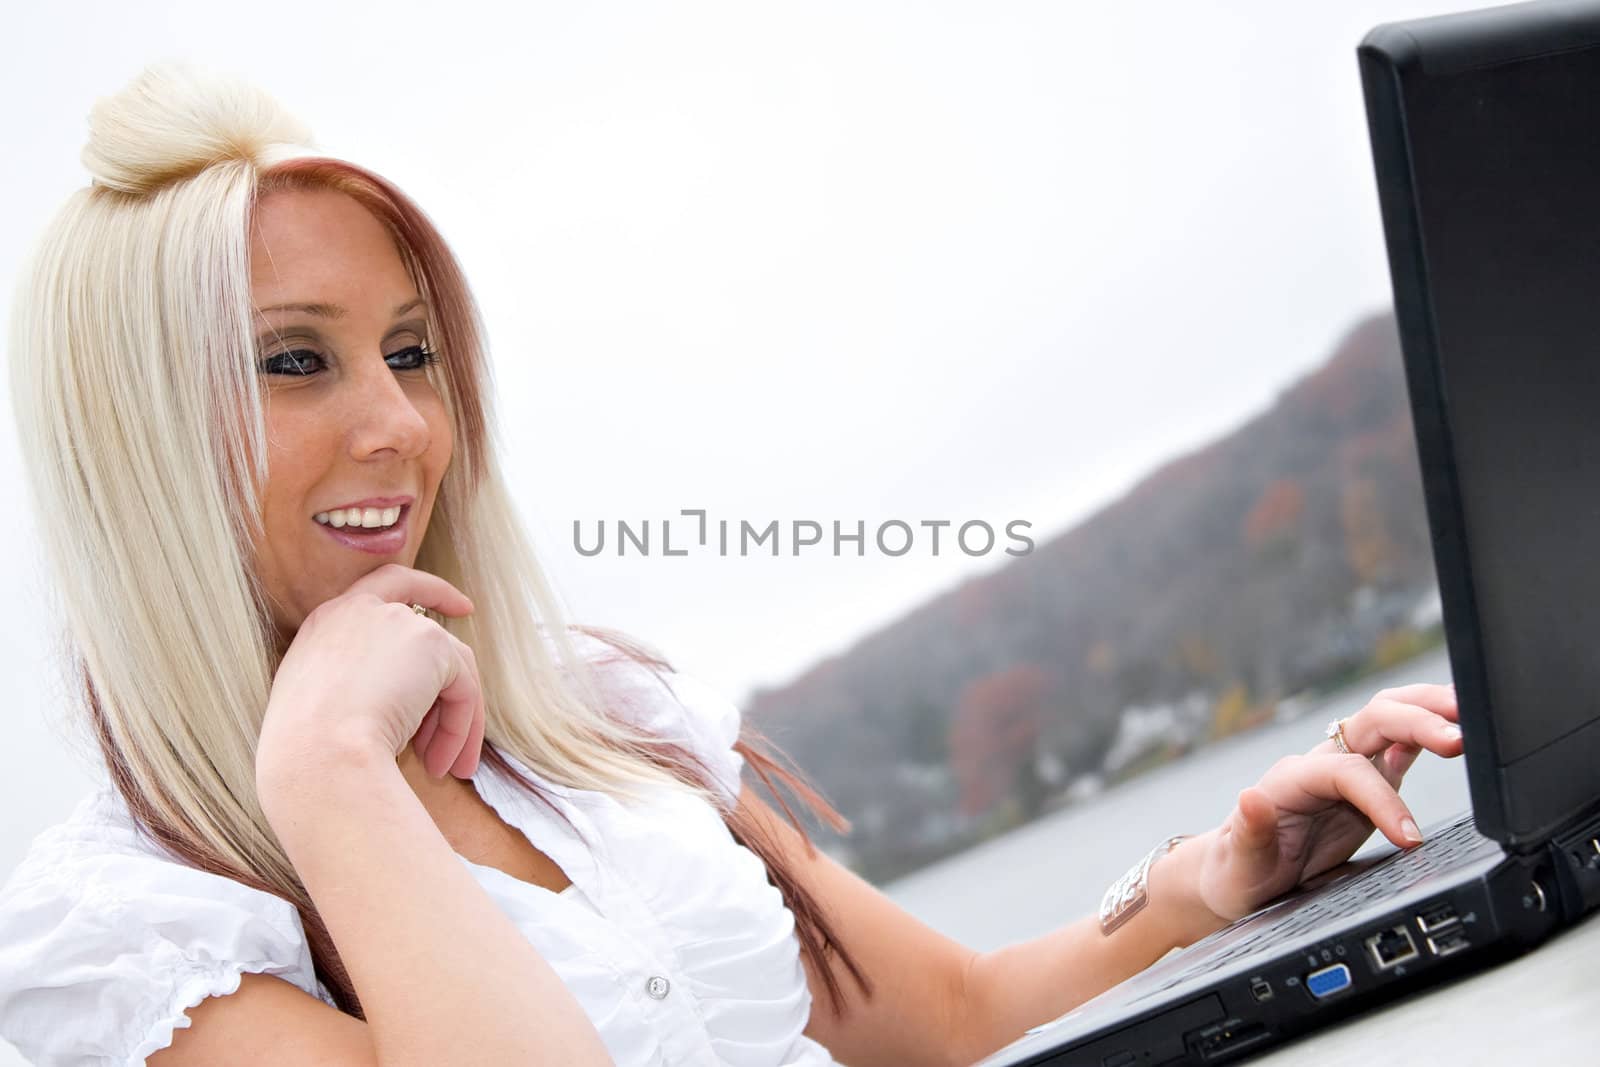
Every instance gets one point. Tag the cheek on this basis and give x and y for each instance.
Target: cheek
(441, 439)
(297, 451)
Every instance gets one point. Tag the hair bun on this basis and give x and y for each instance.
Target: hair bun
(175, 119)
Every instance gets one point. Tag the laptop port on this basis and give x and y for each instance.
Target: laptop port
(1228, 1037)
(1328, 981)
(1448, 941)
(1261, 989)
(1436, 917)
(1392, 947)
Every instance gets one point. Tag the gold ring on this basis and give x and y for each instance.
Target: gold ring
(419, 609)
(1335, 733)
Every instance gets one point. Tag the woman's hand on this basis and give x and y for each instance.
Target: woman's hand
(1310, 813)
(365, 672)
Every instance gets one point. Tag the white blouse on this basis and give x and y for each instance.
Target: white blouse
(671, 937)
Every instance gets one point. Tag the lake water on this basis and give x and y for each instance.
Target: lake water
(1053, 871)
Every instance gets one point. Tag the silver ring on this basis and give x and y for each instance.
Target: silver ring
(1335, 733)
(419, 609)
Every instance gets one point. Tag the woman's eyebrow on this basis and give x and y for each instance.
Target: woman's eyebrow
(330, 311)
(334, 311)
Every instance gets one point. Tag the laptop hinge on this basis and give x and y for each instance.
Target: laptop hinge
(1576, 854)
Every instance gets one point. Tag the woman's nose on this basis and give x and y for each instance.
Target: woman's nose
(384, 416)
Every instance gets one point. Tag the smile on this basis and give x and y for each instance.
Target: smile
(367, 518)
(379, 531)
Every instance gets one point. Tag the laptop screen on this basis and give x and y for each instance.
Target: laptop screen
(1490, 181)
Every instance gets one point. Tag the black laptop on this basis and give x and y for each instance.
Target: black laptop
(1485, 132)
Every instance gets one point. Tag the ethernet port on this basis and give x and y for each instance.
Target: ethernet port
(1391, 947)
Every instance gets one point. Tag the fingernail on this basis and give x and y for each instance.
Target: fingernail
(1408, 827)
(1452, 731)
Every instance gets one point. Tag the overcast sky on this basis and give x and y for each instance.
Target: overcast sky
(834, 261)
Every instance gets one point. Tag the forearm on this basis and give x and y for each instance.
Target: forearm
(444, 975)
(1020, 986)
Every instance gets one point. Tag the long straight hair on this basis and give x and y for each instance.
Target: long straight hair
(133, 377)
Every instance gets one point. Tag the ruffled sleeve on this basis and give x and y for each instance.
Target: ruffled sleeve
(676, 705)
(102, 953)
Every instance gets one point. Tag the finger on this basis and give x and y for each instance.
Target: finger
(1395, 761)
(1257, 825)
(1252, 834)
(1356, 781)
(1384, 722)
(460, 703)
(466, 764)
(1440, 699)
(424, 734)
(407, 585)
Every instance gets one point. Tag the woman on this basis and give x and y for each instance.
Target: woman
(371, 800)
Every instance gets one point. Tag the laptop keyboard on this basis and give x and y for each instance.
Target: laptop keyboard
(1443, 849)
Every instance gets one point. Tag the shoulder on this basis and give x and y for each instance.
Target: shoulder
(106, 942)
(670, 702)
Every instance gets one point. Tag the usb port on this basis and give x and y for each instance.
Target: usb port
(1436, 917)
(1261, 989)
(1391, 947)
(1448, 941)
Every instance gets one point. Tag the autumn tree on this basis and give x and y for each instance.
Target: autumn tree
(1274, 521)
(1368, 547)
(995, 731)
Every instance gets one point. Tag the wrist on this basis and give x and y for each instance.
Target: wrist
(318, 778)
(1175, 894)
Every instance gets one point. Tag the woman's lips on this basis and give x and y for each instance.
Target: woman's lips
(377, 542)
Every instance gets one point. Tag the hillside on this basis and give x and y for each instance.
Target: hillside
(1285, 556)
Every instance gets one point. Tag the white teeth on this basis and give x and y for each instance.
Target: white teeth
(367, 518)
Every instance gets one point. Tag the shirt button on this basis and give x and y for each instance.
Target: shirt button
(658, 987)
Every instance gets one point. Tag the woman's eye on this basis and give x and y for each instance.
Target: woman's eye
(296, 364)
(302, 363)
(416, 357)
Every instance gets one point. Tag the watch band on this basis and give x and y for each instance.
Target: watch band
(1128, 895)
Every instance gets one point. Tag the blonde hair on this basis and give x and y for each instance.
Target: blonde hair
(134, 380)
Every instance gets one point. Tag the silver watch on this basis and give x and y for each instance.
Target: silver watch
(1130, 893)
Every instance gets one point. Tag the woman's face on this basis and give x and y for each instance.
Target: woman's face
(355, 429)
